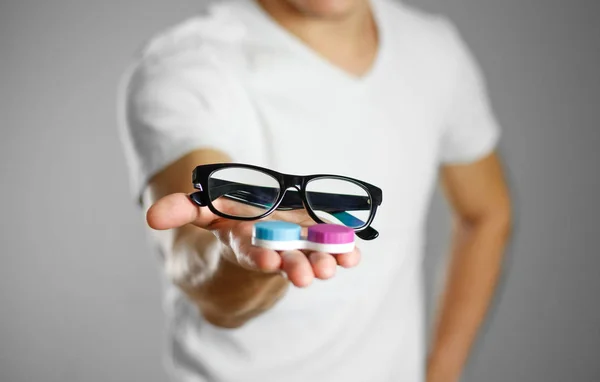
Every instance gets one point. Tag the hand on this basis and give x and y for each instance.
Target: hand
(301, 267)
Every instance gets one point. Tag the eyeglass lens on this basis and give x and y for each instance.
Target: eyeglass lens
(339, 201)
(242, 192)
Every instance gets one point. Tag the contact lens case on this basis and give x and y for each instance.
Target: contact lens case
(285, 236)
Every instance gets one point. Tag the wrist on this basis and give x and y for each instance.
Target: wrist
(236, 295)
(444, 367)
(194, 257)
(233, 294)
(442, 373)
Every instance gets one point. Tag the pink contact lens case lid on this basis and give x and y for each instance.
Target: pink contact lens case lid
(330, 234)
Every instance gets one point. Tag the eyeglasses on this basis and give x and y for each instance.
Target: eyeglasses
(260, 191)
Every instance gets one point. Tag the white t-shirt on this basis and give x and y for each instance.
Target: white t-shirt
(233, 79)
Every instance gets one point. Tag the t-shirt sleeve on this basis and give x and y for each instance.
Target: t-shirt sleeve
(471, 130)
(167, 112)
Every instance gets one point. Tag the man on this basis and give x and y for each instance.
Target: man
(374, 90)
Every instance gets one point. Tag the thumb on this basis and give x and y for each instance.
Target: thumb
(177, 210)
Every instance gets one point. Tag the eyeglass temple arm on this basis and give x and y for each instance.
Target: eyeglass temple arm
(368, 233)
(198, 198)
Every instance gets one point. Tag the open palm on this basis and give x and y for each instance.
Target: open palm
(301, 267)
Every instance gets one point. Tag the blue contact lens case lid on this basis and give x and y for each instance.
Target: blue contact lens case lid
(277, 231)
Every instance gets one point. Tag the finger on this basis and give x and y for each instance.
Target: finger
(323, 264)
(237, 235)
(300, 217)
(177, 210)
(349, 260)
(297, 268)
(235, 208)
(264, 260)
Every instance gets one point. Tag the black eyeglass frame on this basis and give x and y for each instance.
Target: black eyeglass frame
(202, 174)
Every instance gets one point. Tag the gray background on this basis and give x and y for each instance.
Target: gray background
(79, 288)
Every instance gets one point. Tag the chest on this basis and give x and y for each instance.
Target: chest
(379, 134)
(388, 138)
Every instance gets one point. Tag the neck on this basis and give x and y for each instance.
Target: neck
(349, 25)
(348, 40)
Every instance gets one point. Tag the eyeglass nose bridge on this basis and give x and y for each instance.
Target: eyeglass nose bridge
(293, 182)
(292, 186)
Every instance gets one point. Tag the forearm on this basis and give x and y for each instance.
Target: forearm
(475, 265)
(226, 294)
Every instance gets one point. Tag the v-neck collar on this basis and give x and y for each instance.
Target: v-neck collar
(293, 42)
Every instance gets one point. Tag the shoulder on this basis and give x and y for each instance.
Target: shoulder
(405, 17)
(430, 44)
(199, 57)
(208, 43)
(430, 33)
